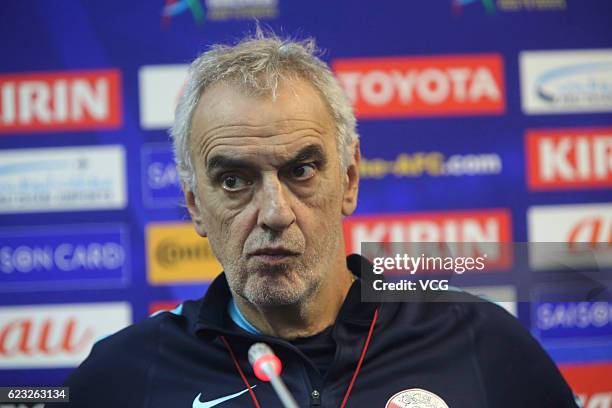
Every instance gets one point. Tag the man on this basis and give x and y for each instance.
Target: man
(267, 150)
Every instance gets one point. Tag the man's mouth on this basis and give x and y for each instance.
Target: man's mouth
(274, 255)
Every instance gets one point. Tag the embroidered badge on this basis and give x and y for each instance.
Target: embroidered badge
(415, 398)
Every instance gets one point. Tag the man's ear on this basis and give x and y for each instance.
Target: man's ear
(194, 210)
(351, 182)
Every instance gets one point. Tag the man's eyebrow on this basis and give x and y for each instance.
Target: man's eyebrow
(224, 162)
(311, 152)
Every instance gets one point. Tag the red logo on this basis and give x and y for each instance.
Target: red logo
(159, 306)
(423, 86)
(31, 337)
(569, 158)
(591, 382)
(590, 232)
(56, 335)
(60, 101)
(468, 227)
(583, 233)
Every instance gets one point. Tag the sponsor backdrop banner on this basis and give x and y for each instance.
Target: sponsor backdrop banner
(57, 335)
(480, 121)
(55, 258)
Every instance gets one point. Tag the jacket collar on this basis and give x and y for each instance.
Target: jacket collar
(213, 318)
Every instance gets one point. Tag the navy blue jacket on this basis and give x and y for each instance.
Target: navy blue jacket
(466, 354)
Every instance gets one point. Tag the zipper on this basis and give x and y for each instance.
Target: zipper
(315, 398)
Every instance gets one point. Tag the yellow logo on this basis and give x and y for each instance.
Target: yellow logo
(177, 254)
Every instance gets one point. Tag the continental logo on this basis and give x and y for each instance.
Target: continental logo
(177, 254)
(424, 86)
(434, 164)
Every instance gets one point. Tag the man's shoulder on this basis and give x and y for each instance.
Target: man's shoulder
(484, 311)
(122, 361)
(504, 348)
(457, 306)
(146, 332)
(504, 355)
(488, 319)
(475, 320)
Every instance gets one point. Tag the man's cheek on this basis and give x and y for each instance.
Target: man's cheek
(218, 211)
(235, 228)
(322, 200)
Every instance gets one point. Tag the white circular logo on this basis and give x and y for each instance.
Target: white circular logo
(415, 398)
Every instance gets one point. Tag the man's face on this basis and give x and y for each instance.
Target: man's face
(270, 190)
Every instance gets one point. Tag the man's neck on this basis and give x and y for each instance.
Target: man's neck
(304, 319)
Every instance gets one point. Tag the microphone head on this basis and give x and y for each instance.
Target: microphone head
(258, 350)
(264, 362)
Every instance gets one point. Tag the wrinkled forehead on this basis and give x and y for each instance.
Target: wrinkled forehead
(296, 96)
(227, 116)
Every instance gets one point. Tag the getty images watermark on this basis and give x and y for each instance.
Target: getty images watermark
(499, 272)
(412, 265)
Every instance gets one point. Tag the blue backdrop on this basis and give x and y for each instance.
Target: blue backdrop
(90, 73)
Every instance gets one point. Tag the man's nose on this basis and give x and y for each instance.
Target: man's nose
(275, 212)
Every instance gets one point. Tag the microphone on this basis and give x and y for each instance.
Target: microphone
(267, 367)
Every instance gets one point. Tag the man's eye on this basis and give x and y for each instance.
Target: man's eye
(232, 182)
(303, 172)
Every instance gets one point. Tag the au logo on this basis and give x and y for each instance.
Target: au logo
(415, 398)
(177, 254)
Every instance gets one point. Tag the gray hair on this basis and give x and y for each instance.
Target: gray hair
(258, 64)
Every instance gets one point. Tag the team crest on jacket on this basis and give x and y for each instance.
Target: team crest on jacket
(415, 398)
